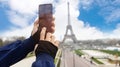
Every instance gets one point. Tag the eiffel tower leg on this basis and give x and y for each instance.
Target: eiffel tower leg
(64, 40)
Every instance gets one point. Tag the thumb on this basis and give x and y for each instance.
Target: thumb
(36, 22)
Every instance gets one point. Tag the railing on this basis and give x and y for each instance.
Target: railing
(57, 58)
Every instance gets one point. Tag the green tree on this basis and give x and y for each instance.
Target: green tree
(1, 42)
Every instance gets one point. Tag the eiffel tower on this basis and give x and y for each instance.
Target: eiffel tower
(69, 28)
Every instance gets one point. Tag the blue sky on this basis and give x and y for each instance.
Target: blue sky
(96, 19)
(4, 22)
(101, 15)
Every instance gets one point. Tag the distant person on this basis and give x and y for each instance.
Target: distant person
(45, 51)
(91, 62)
(119, 63)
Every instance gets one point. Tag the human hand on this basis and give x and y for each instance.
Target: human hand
(47, 44)
(48, 37)
(39, 24)
(48, 22)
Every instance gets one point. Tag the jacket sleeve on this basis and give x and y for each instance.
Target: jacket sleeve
(43, 60)
(15, 51)
(45, 54)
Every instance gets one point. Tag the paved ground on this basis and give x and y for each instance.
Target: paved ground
(27, 62)
(69, 59)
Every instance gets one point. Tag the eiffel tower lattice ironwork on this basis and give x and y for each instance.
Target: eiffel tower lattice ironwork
(69, 28)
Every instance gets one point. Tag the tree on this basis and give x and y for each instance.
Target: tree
(1, 42)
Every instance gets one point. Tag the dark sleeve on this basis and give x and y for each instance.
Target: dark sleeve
(46, 47)
(43, 60)
(15, 51)
(45, 54)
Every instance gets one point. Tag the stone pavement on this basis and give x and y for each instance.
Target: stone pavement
(27, 62)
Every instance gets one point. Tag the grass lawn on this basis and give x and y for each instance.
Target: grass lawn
(79, 52)
(113, 52)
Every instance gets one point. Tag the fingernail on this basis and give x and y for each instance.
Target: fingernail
(49, 33)
(44, 27)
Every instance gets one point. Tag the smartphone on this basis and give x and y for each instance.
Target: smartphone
(45, 9)
(46, 16)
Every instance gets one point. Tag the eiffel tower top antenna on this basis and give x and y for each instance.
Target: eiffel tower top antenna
(68, 14)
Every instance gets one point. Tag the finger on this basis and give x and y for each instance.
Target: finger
(42, 34)
(52, 39)
(53, 24)
(48, 36)
(36, 22)
(56, 43)
(53, 18)
(35, 27)
(52, 29)
(34, 30)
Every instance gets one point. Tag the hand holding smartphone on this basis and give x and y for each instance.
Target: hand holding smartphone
(46, 17)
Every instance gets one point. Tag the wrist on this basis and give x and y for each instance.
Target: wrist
(46, 47)
(36, 36)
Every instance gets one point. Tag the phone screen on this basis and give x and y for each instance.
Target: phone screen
(45, 9)
(45, 16)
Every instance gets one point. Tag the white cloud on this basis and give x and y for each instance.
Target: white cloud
(26, 6)
(102, 3)
(109, 10)
(18, 19)
(114, 16)
(18, 32)
(85, 4)
(110, 14)
(24, 10)
(116, 32)
(116, 2)
(21, 14)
